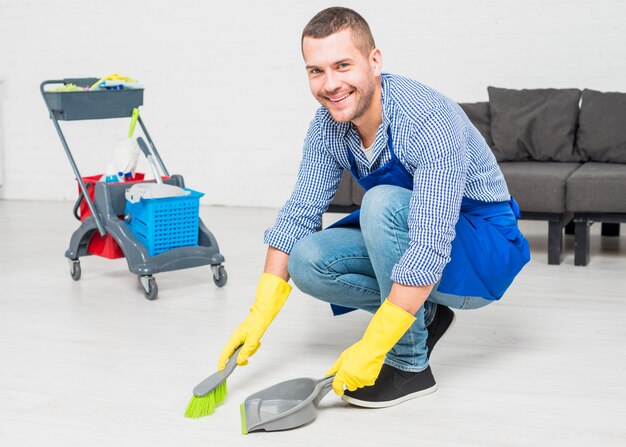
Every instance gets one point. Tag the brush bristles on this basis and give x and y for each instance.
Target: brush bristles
(205, 405)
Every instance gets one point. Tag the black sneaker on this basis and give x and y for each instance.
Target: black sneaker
(444, 319)
(392, 387)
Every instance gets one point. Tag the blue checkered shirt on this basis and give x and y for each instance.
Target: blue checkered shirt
(433, 139)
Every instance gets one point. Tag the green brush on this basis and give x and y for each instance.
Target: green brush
(244, 425)
(211, 392)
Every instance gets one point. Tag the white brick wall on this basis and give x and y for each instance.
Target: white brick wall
(227, 101)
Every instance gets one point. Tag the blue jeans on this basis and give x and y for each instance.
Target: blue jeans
(351, 267)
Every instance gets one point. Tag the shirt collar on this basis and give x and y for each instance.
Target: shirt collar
(381, 139)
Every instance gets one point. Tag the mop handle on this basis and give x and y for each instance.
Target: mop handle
(155, 169)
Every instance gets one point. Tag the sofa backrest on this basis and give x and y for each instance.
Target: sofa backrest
(480, 116)
(552, 124)
(601, 132)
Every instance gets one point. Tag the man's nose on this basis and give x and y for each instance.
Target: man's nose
(332, 82)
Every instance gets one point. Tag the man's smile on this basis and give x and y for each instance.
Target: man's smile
(338, 98)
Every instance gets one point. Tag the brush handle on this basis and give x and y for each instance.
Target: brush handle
(214, 380)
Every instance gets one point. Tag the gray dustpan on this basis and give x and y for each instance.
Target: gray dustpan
(283, 406)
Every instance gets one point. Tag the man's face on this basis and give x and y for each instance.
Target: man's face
(341, 77)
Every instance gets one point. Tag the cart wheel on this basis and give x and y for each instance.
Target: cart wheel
(220, 277)
(150, 289)
(75, 269)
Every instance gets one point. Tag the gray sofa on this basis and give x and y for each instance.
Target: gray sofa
(562, 153)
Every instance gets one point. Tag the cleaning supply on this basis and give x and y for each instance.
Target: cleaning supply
(125, 155)
(115, 79)
(286, 405)
(67, 88)
(271, 294)
(126, 152)
(153, 191)
(360, 364)
(153, 164)
(119, 85)
(211, 392)
(110, 175)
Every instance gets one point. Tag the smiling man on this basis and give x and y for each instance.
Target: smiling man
(437, 227)
(335, 65)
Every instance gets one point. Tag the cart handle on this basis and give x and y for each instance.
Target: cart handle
(79, 178)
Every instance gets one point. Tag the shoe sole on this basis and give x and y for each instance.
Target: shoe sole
(389, 403)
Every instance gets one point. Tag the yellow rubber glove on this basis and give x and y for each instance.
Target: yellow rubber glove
(360, 364)
(271, 294)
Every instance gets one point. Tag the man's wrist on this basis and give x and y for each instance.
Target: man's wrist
(276, 263)
(409, 298)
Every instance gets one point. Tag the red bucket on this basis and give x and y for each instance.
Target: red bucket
(105, 246)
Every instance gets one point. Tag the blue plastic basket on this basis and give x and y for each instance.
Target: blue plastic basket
(163, 224)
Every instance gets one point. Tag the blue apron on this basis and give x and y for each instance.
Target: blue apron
(488, 250)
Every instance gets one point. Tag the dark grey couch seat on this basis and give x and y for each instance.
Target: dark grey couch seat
(538, 186)
(597, 188)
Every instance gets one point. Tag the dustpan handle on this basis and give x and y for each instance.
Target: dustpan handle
(325, 384)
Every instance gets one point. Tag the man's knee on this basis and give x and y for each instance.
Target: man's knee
(382, 203)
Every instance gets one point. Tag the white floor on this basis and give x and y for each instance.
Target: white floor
(94, 363)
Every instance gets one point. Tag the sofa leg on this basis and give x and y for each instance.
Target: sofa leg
(610, 229)
(581, 243)
(555, 242)
(570, 228)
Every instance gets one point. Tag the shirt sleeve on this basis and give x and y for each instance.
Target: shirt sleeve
(437, 148)
(317, 182)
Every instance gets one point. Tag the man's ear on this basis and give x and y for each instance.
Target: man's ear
(376, 61)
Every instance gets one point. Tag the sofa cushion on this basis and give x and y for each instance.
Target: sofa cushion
(343, 196)
(537, 124)
(597, 188)
(602, 126)
(538, 186)
(480, 116)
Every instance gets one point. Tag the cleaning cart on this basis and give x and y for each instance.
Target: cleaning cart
(153, 234)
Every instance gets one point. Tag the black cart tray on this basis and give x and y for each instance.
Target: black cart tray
(97, 104)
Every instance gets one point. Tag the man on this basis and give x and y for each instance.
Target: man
(437, 227)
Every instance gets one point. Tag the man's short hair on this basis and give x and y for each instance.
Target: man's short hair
(335, 19)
